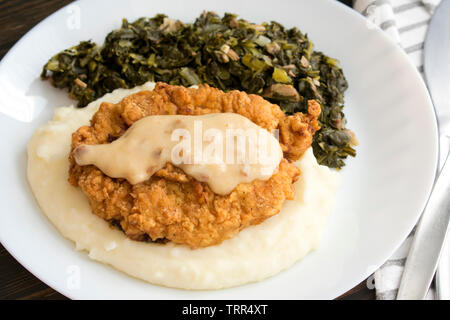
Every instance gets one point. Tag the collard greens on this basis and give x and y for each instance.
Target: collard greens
(228, 53)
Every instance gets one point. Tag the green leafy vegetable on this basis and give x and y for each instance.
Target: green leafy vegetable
(228, 53)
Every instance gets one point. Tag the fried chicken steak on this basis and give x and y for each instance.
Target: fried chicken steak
(172, 206)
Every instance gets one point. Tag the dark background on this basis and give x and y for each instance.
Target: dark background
(17, 17)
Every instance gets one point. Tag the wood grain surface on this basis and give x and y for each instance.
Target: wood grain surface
(16, 18)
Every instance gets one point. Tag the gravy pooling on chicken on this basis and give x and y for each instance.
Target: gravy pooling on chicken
(219, 149)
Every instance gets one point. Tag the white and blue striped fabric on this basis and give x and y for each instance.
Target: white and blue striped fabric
(406, 22)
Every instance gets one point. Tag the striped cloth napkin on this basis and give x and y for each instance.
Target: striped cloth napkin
(406, 22)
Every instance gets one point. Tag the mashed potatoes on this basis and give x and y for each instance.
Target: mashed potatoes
(255, 253)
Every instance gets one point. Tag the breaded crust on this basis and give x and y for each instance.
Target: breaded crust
(172, 206)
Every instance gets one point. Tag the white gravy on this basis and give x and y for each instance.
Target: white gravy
(220, 149)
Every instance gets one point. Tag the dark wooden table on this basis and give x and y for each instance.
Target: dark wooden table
(16, 18)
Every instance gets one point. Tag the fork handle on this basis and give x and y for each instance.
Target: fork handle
(428, 241)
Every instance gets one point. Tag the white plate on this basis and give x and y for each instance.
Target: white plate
(383, 191)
